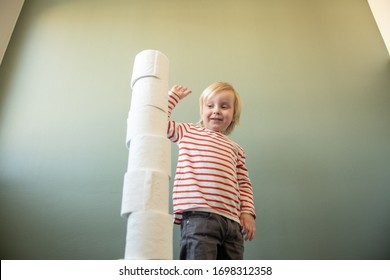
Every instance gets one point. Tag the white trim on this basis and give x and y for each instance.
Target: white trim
(381, 11)
(9, 13)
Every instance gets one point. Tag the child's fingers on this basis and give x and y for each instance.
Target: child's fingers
(248, 233)
(248, 229)
(180, 91)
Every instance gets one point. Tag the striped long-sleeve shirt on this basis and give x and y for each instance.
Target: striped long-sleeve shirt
(210, 174)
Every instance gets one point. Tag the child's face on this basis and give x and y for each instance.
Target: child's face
(218, 110)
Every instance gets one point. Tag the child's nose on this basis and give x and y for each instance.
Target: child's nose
(217, 110)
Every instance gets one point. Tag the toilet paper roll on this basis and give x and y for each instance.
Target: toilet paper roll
(150, 63)
(150, 152)
(150, 91)
(147, 120)
(149, 236)
(145, 190)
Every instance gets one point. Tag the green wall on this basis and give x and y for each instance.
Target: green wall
(314, 77)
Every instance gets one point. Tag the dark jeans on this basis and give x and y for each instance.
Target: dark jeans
(208, 236)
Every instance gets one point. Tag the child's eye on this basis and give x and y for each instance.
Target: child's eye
(209, 106)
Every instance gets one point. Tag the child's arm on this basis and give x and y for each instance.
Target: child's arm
(175, 130)
(248, 215)
(175, 94)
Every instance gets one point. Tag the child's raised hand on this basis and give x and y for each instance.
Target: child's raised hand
(180, 91)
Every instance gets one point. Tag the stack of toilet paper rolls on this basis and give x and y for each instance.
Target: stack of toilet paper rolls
(145, 201)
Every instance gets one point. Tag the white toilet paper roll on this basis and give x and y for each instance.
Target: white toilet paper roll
(149, 236)
(147, 120)
(150, 63)
(150, 152)
(150, 91)
(145, 190)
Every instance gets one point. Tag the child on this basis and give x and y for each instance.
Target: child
(212, 193)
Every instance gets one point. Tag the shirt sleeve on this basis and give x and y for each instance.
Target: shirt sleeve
(246, 191)
(175, 130)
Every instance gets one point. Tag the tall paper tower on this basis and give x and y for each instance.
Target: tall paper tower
(145, 200)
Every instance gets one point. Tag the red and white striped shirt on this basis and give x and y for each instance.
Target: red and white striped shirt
(210, 174)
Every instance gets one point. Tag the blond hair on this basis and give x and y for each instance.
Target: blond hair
(215, 88)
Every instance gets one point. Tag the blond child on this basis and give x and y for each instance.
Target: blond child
(212, 192)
